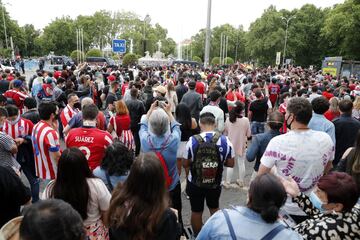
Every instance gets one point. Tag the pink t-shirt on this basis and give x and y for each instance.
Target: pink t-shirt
(238, 132)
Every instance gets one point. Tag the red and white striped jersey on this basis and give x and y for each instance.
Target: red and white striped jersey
(20, 129)
(18, 98)
(66, 115)
(91, 141)
(45, 140)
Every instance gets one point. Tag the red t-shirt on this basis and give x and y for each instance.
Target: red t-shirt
(231, 97)
(18, 98)
(123, 88)
(57, 74)
(330, 115)
(328, 95)
(91, 141)
(122, 123)
(274, 91)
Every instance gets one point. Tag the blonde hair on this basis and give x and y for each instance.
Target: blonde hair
(121, 108)
(357, 103)
(334, 104)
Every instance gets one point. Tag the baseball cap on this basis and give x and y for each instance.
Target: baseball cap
(160, 89)
(18, 83)
(111, 78)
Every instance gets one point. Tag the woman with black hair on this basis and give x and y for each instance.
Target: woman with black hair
(350, 161)
(188, 128)
(116, 164)
(139, 209)
(237, 128)
(258, 220)
(76, 185)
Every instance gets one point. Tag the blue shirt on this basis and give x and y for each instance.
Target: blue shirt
(167, 144)
(247, 224)
(319, 123)
(100, 173)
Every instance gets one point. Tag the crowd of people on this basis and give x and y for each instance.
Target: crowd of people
(103, 150)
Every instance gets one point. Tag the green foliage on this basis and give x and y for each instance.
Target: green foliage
(229, 60)
(215, 61)
(115, 57)
(75, 54)
(130, 59)
(5, 52)
(342, 30)
(59, 36)
(197, 59)
(94, 53)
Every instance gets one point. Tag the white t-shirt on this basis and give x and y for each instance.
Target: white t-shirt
(219, 116)
(302, 155)
(99, 199)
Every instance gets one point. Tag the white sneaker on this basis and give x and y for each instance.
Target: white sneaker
(226, 185)
(240, 183)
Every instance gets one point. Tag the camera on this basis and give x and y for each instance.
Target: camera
(161, 104)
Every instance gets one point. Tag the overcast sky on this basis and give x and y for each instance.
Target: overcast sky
(182, 18)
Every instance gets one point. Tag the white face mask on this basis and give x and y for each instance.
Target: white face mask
(15, 121)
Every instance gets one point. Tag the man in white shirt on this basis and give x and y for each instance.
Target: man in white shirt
(213, 107)
(303, 154)
(314, 93)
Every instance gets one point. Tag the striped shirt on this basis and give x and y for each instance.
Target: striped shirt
(224, 145)
(66, 115)
(21, 129)
(45, 140)
(18, 98)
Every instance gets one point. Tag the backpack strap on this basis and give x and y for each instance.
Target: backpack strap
(108, 181)
(230, 226)
(215, 137)
(270, 235)
(199, 139)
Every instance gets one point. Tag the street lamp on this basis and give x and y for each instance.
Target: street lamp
(5, 32)
(147, 20)
(286, 32)
(208, 35)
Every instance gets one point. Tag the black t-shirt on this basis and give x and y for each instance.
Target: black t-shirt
(259, 110)
(111, 98)
(4, 86)
(168, 229)
(13, 194)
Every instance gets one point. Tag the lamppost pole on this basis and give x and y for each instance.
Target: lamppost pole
(208, 33)
(5, 32)
(286, 35)
(147, 20)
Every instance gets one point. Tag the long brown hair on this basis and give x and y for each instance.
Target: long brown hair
(139, 204)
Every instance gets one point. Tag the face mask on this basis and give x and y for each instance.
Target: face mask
(288, 125)
(316, 201)
(77, 105)
(15, 121)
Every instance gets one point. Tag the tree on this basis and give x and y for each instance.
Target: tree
(130, 59)
(76, 54)
(197, 59)
(215, 61)
(342, 30)
(59, 36)
(30, 35)
(229, 60)
(265, 37)
(94, 53)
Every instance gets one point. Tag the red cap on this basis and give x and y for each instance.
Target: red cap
(111, 78)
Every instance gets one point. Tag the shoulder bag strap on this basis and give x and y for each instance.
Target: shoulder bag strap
(230, 226)
(270, 235)
(108, 180)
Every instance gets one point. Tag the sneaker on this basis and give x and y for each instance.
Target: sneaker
(226, 185)
(240, 183)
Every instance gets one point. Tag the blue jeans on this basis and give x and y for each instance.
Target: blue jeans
(257, 127)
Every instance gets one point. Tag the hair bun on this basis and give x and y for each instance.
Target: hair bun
(270, 214)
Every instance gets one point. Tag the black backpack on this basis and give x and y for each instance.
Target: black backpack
(206, 168)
